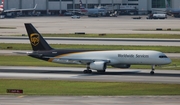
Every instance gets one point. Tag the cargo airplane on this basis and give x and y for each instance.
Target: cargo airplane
(95, 60)
(172, 11)
(3, 11)
(94, 12)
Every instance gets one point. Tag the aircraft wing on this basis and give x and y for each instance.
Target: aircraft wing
(79, 61)
(68, 60)
(157, 10)
(19, 10)
(75, 10)
(22, 52)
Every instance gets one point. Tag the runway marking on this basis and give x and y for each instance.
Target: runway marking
(21, 96)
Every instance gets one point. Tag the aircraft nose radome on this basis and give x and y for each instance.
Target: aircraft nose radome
(168, 61)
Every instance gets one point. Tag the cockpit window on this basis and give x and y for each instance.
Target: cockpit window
(162, 56)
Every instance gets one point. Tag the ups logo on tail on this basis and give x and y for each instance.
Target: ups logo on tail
(34, 39)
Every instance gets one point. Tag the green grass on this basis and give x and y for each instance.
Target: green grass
(165, 49)
(76, 88)
(157, 36)
(7, 60)
(7, 27)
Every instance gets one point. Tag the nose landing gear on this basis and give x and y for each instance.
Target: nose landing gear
(152, 69)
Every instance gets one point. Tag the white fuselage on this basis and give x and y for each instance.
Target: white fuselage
(136, 57)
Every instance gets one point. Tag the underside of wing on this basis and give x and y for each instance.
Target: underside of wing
(17, 10)
(23, 52)
(78, 61)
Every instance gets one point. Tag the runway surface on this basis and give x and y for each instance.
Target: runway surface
(120, 24)
(76, 74)
(99, 41)
(89, 100)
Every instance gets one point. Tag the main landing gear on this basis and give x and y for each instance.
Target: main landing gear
(152, 69)
(88, 70)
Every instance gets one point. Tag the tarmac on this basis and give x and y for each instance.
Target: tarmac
(89, 100)
(76, 74)
(120, 24)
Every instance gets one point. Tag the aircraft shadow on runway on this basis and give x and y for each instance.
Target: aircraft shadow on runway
(94, 73)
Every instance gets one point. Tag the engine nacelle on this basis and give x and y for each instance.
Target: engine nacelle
(122, 66)
(98, 65)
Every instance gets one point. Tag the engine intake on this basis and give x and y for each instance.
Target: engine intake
(98, 65)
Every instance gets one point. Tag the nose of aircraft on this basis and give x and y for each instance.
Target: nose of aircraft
(168, 61)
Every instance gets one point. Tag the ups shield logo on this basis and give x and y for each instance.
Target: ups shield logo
(34, 39)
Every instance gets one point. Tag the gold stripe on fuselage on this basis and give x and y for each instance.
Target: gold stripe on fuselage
(63, 55)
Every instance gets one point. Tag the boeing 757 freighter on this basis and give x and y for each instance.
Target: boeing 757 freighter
(95, 60)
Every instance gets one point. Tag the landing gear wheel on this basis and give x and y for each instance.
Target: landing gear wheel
(85, 71)
(101, 71)
(152, 71)
(88, 70)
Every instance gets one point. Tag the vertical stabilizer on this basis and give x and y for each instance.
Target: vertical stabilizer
(167, 4)
(37, 41)
(81, 5)
(2, 6)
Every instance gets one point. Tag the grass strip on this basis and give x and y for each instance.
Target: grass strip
(79, 88)
(7, 27)
(104, 35)
(15, 60)
(165, 49)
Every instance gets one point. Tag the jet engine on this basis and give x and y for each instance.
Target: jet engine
(98, 65)
(122, 66)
